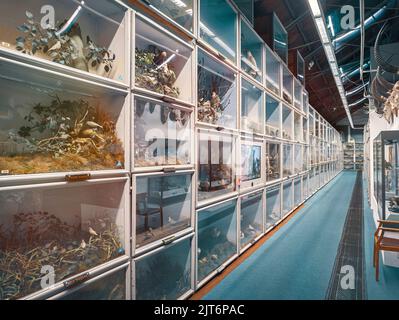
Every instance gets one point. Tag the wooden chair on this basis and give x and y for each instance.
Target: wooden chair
(384, 243)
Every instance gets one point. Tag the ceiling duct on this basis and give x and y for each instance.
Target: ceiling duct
(385, 65)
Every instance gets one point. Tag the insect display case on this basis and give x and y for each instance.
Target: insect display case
(273, 206)
(297, 191)
(288, 160)
(298, 158)
(164, 273)
(216, 164)
(298, 130)
(162, 134)
(251, 220)
(216, 237)
(273, 161)
(298, 95)
(288, 123)
(273, 117)
(218, 27)
(252, 108)
(217, 92)
(63, 227)
(78, 37)
(288, 198)
(163, 63)
(252, 166)
(163, 205)
(288, 85)
(252, 47)
(273, 72)
(52, 124)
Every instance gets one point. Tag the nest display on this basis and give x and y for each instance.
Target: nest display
(272, 131)
(64, 135)
(37, 240)
(215, 177)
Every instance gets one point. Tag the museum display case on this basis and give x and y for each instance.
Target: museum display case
(163, 205)
(273, 72)
(288, 85)
(273, 117)
(298, 95)
(273, 161)
(298, 160)
(66, 33)
(216, 237)
(251, 52)
(298, 130)
(251, 220)
(165, 273)
(386, 173)
(218, 27)
(216, 164)
(69, 227)
(288, 198)
(288, 123)
(162, 134)
(217, 92)
(163, 64)
(287, 160)
(273, 206)
(51, 124)
(297, 192)
(252, 167)
(252, 108)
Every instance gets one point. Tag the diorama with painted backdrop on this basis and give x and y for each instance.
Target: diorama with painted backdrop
(251, 163)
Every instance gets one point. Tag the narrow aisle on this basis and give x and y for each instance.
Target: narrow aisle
(297, 261)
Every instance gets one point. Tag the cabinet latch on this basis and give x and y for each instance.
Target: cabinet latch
(77, 177)
(168, 240)
(170, 169)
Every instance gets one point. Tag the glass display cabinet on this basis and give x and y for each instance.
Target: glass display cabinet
(70, 228)
(163, 205)
(298, 95)
(280, 39)
(273, 117)
(165, 273)
(298, 160)
(218, 26)
(298, 130)
(297, 192)
(217, 92)
(52, 124)
(251, 52)
(287, 160)
(216, 237)
(273, 206)
(252, 167)
(386, 173)
(273, 161)
(288, 198)
(163, 63)
(288, 85)
(88, 36)
(162, 134)
(252, 110)
(288, 123)
(216, 161)
(273, 72)
(251, 220)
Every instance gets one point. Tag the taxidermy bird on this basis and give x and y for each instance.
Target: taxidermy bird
(75, 35)
(254, 71)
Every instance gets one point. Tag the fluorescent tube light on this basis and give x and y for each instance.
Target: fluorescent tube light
(315, 7)
(322, 30)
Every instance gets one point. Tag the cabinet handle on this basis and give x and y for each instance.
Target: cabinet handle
(168, 240)
(77, 177)
(77, 280)
(168, 170)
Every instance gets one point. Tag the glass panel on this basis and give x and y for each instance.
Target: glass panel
(287, 197)
(273, 117)
(164, 274)
(298, 131)
(287, 160)
(273, 72)
(89, 37)
(287, 123)
(52, 125)
(305, 158)
(391, 176)
(305, 100)
(217, 96)
(251, 217)
(311, 126)
(247, 8)
(297, 192)
(68, 228)
(305, 129)
(180, 11)
(305, 187)
(110, 287)
(251, 162)
(298, 95)
(301, 68)
(287, 85)
(280, 37)
(297, 158)
(216, 161)
(273, 206)
(218, 26)
(217, 237)
(251, 52)
(251, 108)
(162, 134)
(163, 206)
(272, 161)
(162, 64)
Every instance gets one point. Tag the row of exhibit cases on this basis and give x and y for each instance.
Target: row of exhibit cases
(79, 249)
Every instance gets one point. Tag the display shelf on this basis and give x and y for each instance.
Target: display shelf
(252, 108)
(252, 47)
(297, 192)
(273, 117)
(298, 103)
(288, 198)
(298, 130)
(66, 227)
(288, 86)
(163, 205)
(287, 160)
(273, 72)
(216, 237)
(288, 123)
(51, 123)
(165, 273)
(252, 166)
(298, 158)
(273, 161)
(162, 134)
(217, 92)
(251, 220)
(218, 27)
(163, 63)
(67, 33)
